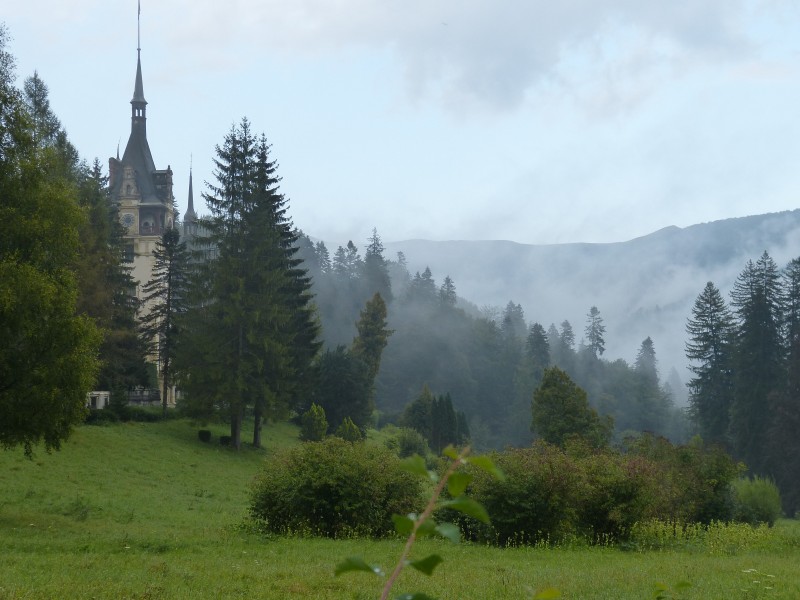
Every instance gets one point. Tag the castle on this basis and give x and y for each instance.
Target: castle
(142, 193)
(144, 198)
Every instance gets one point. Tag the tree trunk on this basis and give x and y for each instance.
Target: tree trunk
(257, 425)
(164, 387)
(236, 426)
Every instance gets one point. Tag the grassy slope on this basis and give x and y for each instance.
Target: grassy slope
(147, 511)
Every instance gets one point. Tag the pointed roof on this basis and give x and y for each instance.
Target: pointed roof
(190, 216)
(137, 152)
(138, 88)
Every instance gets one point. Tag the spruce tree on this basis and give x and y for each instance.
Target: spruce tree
(758, 359)
(376, 273)
(595, 331)
(165, 301)
(447, 293)
(710, 350)
(372, 338)
(254, 334)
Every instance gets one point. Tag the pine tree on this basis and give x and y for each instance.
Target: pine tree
(653, 402)
(165, 300)
(758, 359)
(594, 332)
(710, 348)
(538, 347)
(784, 444)
(253, 331)
(376, 273)
(560, 410)
(447, 293)
(372, 338)
(341, 388)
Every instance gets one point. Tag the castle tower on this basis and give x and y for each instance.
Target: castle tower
(142, 193)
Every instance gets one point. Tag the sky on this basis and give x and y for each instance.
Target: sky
(533, 121)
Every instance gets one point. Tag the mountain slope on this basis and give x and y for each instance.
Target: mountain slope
(643, 287)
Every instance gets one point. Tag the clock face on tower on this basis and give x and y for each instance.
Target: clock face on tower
(128, 220)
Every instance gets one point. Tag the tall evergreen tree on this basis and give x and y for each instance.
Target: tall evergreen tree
(342, 389)
(373, 336)
(165, 301)
(710, 348)
(595, 330)
(447, 292)
(784, 444)
(538, 347)
(376, 273)
(560, 410)
(758, 373)
(253, 331)
(653, 402)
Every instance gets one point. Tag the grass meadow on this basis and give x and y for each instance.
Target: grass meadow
(141, 510)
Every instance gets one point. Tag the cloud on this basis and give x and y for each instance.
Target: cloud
(475, 53)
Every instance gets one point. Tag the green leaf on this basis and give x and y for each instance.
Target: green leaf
(450, 452)
(415, 465)
(485, 463)
(467, 506)
(414, 597)
(427, 564)
(547, 594)
(457, 484)
(427, 528)
(356, 563)
(403, 525)
(449, 531)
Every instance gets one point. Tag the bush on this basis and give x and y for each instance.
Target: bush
(406, 442)
(616, 492)
(553, 494)
(333, 488)
(348, 431)
(313, 424)
(695, 479)
(756, 500)
(536, 502)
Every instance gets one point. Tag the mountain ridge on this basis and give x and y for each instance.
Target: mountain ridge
(643, 287)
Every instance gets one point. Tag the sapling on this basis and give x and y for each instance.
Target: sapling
(415, 525)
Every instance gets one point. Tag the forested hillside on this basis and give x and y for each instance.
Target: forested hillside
(643, 287)
(488, 361)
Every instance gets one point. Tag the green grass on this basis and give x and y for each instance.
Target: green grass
(148, 511)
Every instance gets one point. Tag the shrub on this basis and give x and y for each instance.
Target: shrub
(313, 424)
(695, 479)
(616, 491)
(536, 502)
(406, 442)
(333, 488)
(756, 500)
(348, 431)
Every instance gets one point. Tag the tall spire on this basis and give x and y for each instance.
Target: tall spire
(190, 216)
(138, 103)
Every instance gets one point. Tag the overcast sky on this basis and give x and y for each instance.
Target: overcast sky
(528, 120)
